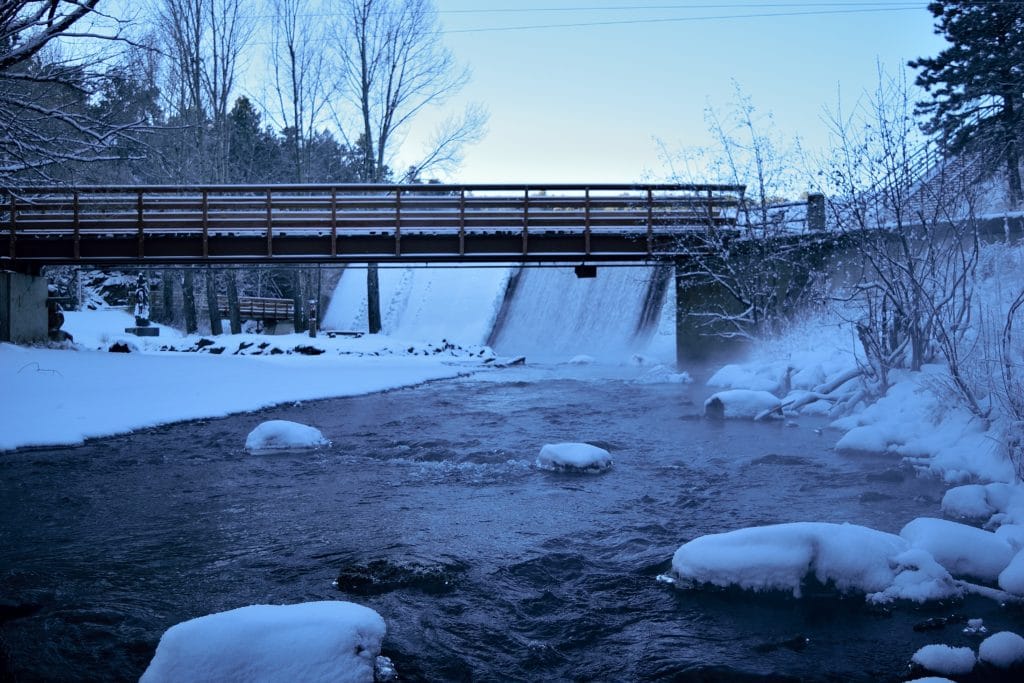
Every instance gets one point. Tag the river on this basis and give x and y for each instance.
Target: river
(428, 509)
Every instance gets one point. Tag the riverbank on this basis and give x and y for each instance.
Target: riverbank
(63, 396)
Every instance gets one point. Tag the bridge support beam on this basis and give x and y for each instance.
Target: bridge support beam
(696, 332)
(23, 317)
(373, 298)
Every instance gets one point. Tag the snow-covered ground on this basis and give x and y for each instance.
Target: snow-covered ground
(64, 396)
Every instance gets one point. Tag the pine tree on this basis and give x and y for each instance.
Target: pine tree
(977, 83)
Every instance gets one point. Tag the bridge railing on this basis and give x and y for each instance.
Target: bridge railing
(273, 214)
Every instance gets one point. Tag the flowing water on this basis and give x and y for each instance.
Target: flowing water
(428, 509)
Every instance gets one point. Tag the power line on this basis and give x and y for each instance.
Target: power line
(668, 20)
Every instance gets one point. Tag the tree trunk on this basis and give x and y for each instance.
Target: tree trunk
(188, 300)
(372, 299)
(233, 313)
(297, 315)
(211, 302)
(167, 296)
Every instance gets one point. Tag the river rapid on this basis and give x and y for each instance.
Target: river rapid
(428, 508)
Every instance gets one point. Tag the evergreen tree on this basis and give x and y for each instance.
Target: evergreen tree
(977, 83)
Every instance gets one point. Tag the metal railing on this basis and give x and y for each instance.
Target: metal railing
(353, 222)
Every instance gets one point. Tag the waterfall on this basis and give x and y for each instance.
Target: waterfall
(423, 304)
(550, 314)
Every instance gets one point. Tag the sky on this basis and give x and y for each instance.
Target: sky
(590, 103)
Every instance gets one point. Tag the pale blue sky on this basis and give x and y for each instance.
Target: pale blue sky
(585, 103)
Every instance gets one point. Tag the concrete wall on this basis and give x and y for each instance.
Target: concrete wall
(23, 316)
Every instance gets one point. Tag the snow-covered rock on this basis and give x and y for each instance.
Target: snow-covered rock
(946, 660)
(315, 641)
(931, 679)
(1002, 650)
(961, 549)
(284, 435)
(768, 377)
(662, 374)
(578, 457)
(582, 359)
(741, 403)
(1011, 579)
(967, 502)
(781, 556)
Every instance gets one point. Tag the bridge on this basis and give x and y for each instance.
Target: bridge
(433, 223)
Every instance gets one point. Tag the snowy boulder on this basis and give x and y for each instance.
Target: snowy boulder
(945, 660)
(313, 641)
(582, 359)
(1011, 579)
(573, 457)
(967, 502)
(961, 549)
(1003, 650)
(742, 403)
(283, 435)
(918, 578)
(662, 374)
(780, 557)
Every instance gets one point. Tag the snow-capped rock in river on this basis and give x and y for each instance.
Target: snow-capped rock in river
(961, 549)
(782, 556)
(314, 641)
(283, 435)
(570, 457)
(1003, 650)
(945, 660)
(742, 403)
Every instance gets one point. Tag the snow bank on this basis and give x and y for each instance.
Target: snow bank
(769, 377)
(283, 435)
(65, 397)
(1002, 650)
(1011, 579)
(581, 457)
(995, 503)
(946, 660)
(740, 403)
(780, 557)
(961, 549)
(933, 431)
(314, 641)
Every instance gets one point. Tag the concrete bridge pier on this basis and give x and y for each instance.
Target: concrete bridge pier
(697, 295)
(23, 314)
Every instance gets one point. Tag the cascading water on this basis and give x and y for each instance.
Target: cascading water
(550, 314)
(543, 313)
(427, 304)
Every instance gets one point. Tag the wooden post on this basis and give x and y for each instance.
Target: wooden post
(462, 222)
(270, 226)
(526, 219)
(815, 211)
(141, 226)
(334, 222)
(650, 222)
(206, 224)
(398, 222)
(76, 224)
(14, 227)
(586, 222)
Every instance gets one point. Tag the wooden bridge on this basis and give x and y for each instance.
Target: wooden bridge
(120, 225)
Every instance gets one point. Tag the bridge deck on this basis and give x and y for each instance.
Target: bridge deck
(358, 223)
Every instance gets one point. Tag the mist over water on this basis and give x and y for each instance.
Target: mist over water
(428, 509)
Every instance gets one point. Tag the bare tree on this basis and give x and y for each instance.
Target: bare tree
(746, 282)
(47, 77)
(228, 33)
(393, 66)
(303, 87)
(913, 226)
